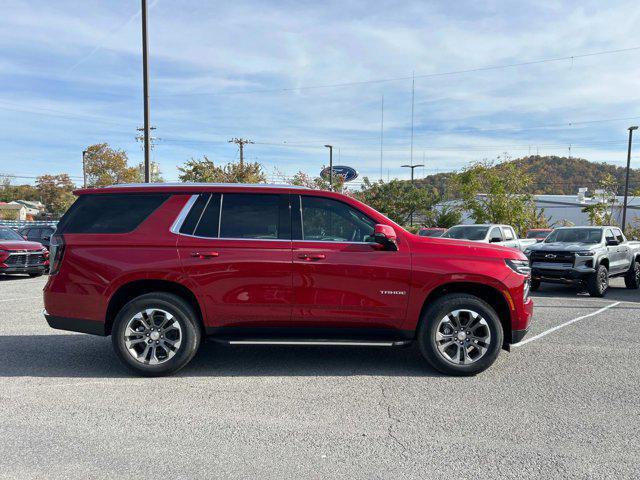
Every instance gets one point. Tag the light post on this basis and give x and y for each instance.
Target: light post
(330, 147)
(84, 169)
(412, 167)
(626, 182)
(145, 89)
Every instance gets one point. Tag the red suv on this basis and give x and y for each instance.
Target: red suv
(157, 267)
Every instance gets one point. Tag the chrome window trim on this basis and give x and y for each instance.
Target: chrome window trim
(177, 224)
(220, 214)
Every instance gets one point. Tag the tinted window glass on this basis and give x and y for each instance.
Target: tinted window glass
(467, 232)
(192, 218)
(8, 234)
(328, 220)
(208, 224)
(575, 235)
(255, 216)
(34, 234)
(110, 213)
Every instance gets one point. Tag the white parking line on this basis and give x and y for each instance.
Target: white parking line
(16, 299)
(562, 325)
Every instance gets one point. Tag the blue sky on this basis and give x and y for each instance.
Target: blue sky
(70, 76)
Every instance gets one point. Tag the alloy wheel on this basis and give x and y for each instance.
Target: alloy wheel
(153, 336)
(463, 337)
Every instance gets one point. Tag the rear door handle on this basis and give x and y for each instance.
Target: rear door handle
(312, 256)
(204, 255)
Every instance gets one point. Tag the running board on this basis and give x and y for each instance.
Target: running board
(346, 343)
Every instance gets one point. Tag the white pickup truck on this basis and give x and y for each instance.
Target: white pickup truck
(490, 233)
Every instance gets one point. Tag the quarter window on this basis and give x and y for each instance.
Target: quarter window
(328, 220)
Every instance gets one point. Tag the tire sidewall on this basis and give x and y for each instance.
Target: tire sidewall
(184, 315)
(429, 324)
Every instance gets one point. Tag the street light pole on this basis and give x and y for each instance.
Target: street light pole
(84, 169)
(145, 87)
(330, 147)
(626, 181)
(412, 167)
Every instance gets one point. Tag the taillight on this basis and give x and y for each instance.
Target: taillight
(56, 251)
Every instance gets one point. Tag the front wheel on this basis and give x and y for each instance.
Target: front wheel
(460, 334)
(598, 282)
(632, 277)
(156, 334)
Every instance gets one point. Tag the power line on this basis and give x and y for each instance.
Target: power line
(410, 77)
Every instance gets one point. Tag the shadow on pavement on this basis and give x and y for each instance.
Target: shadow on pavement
(85, 356)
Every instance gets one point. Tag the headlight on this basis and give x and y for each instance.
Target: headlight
(586, 253)
(519, 266)
(527, 251)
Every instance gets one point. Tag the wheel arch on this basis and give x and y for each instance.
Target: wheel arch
(603, 261)
(493, 296)
(133, 289)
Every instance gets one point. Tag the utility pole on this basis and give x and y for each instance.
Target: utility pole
(145, 87)
(330, 147)
(381, 132)
(413, 89)
(626, 182)
(84, 169)
(241, 142)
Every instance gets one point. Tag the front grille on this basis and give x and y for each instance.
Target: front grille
(565, 258)
(29, 259)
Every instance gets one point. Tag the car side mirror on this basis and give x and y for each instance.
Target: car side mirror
(386, 236)
(495, 239)
(612, 242)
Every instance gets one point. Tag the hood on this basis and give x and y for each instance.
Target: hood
(454, 246)
(562, 247)
(19, 245)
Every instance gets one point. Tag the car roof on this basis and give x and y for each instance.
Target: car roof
(186, 187)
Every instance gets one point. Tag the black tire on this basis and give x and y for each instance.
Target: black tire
(38, 274)
(429, 325)
(535, 284)
(598, 282)
(632, 277)
(183, 314)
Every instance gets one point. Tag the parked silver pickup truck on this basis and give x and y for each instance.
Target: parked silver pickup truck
(490, 233)
(585, 255)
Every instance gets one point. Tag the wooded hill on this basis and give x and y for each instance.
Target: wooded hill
(555, 175)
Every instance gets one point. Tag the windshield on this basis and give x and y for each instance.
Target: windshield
(431, 233)
(575, 235)
(8, 234)
(467, 232)
(537, 234)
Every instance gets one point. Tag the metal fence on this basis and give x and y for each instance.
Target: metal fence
(25, 223)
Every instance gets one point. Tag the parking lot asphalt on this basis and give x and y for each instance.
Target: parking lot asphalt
(563, 404)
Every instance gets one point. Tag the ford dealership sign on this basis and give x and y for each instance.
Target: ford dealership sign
(343, 171)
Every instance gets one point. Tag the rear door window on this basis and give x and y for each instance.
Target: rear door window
(110, 213)
(508, 233)
(255, 216)
(496, 232)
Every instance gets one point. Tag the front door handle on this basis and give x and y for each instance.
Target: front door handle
(204, 255)
(312, 256)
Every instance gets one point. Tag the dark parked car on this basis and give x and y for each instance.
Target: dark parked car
(38, 233)
(159, 266)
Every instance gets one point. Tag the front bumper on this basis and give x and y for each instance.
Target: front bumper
(567, 275)
(24, 269)
(518, 335)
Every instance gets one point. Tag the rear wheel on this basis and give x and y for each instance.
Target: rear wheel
(598, 282)
(460, 334)
(632, 277)
(156, 334)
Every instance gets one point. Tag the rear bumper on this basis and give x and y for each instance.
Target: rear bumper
(75, 324)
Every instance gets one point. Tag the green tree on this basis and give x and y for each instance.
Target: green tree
(317, 183)
(602, 211)
(56, 192)
(204, 170)
(492, 193)
(107, 166)
(446, 216)
(396, 199)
